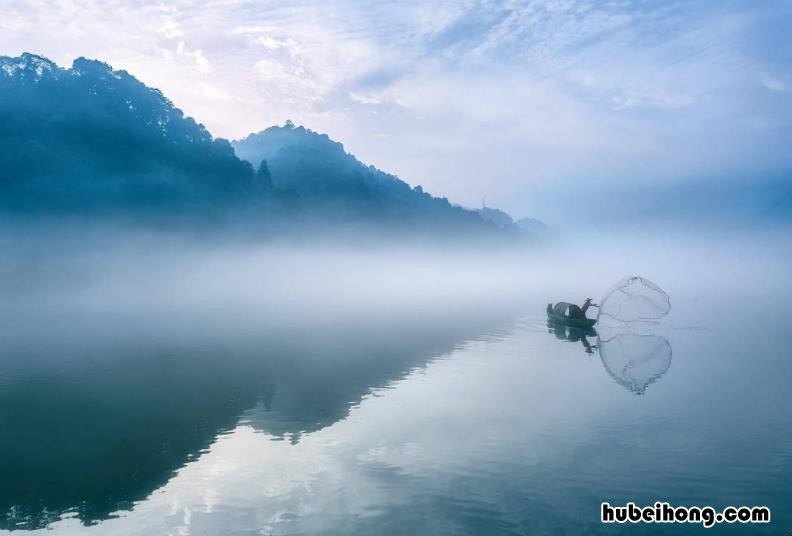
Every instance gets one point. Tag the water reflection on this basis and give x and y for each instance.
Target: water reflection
(94, 420)
(633, 360)
(573, 334)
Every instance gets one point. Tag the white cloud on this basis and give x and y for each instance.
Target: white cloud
(664, 100)
(253, 29)
(195, 58)
(270, 43)
(772, 83)
(170, 29)
(202, 64)
(364, 98)
(214, 93)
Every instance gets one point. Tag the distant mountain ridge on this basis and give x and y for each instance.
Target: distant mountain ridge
(317, 169)
(496, 217)
(92, 140)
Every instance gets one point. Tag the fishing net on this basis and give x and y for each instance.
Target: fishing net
(634, 360)
(634, 299)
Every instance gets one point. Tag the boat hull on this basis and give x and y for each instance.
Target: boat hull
(572, 322)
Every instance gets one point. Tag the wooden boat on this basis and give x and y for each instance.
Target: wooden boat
(568, 314)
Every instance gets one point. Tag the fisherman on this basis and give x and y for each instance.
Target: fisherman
(580, 312)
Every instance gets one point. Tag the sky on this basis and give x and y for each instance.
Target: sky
(541, 108)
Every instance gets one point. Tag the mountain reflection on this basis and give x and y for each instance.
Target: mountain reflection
(97, 413)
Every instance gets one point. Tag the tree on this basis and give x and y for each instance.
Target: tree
(263, 176)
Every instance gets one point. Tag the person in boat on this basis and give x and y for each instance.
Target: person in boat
(573, 311)
(579, 312)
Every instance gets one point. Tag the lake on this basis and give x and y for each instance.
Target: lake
(426, 415)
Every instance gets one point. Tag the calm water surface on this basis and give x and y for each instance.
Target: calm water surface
(477, 420)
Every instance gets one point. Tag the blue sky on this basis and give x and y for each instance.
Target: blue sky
(532, 105)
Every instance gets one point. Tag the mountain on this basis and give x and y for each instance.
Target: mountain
(93, 141)
(335, 183)
(496, 217)
(90, 137)
(535, 227)
(527, 226)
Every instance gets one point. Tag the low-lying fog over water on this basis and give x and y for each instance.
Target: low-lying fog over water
(169, 385)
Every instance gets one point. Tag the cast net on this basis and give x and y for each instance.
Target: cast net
(634, 299)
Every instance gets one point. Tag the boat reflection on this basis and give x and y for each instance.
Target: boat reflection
(573, 334)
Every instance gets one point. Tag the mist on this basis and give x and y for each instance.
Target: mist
(157, 345)
(115, 270)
